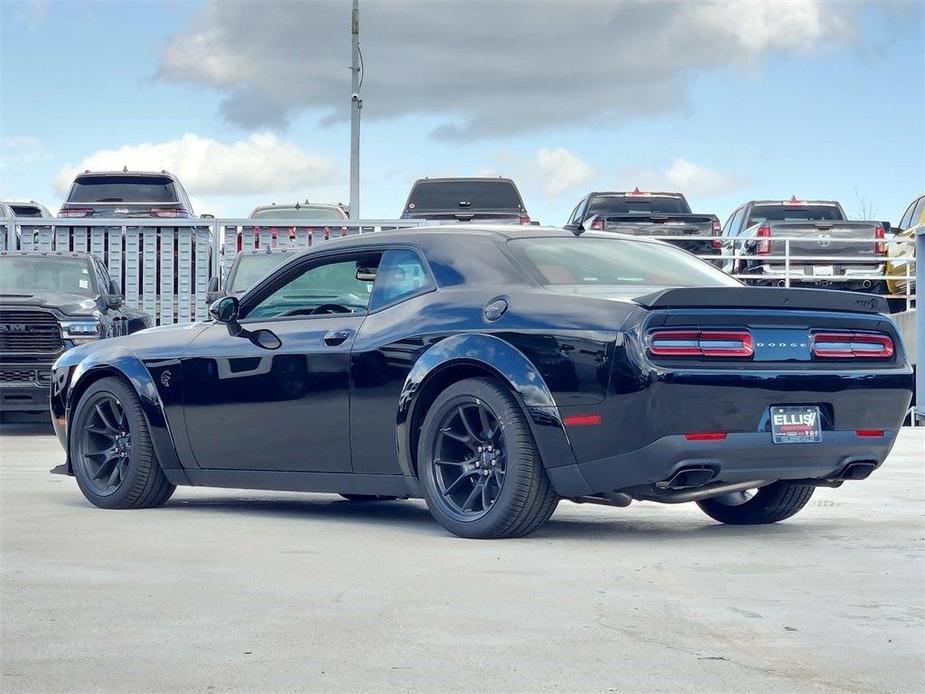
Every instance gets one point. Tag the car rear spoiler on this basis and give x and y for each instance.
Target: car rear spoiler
(764, 297)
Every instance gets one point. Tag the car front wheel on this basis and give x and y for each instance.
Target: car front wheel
(479, 467)
(111, 451)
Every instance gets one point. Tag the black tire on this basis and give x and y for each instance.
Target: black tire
(523, 498)
(776, 502)
(135, 478)
(369, 497)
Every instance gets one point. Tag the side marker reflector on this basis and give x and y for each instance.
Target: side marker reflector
(706, 436)
(582, 420)
(869, 433)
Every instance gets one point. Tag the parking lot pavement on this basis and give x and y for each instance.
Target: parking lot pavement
(253, 591)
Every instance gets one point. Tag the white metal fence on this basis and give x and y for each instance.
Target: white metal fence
(164, 267)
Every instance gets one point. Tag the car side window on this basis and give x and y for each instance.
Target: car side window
(102, 275)
(573, 218)
(344, 282)
(906, 220)
(736, 225)
(918, 213)
(401, 274)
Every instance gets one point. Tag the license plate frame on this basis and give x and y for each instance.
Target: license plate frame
(796, 424)
(823, 270)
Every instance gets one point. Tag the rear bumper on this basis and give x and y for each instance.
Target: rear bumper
(802, 274)
(739, 458)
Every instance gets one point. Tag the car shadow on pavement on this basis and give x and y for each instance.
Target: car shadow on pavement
(413, 515)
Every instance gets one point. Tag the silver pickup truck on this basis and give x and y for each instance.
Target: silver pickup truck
(825, 249)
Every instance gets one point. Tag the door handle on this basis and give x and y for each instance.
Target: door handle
(336, 337)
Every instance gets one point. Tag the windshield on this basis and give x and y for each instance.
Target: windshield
(28, 275)
(605, 205)
(603, 262)
(315, 214)
(465, 195)
(794, 213)
(253, 267)
(123, 189)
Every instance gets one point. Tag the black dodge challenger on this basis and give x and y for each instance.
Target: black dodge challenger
(493, 371)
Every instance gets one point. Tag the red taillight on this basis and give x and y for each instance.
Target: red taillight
(597, 224)
(168, 212)
(880, 246)
(716, 231)
(850, 345)
(524, 219)
(869, 433)
(706, 436)
(701, 343)
(582, 420)
(763, 247)
(75, 212)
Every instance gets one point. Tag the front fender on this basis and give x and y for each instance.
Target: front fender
(80, 370)
(489, 353)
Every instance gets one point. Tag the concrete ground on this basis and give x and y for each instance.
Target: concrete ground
(260, 592)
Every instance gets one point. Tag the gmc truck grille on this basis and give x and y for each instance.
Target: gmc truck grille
(23, 332)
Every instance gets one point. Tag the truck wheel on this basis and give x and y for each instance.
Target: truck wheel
(111, 451)
(770, 504)
(479, 468)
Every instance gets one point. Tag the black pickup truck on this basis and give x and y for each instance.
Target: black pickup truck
(825, 248)
(639, 213)
(488, 200)
(50, 302)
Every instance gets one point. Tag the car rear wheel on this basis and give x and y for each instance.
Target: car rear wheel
(776, 502)
(480, 471)
(111, 451)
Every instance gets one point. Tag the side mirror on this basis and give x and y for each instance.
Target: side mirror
(207, 216)
(225, 310)
(114, 298)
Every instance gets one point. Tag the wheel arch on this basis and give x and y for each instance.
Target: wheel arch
(472, 356)
(129, 368)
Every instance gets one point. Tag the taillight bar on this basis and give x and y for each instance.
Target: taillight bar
(880, 245)
(701, 343)
(852, 345)
(763, 247)
(524, 219)
(75, 212)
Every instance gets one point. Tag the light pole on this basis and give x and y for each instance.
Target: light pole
(356, 104)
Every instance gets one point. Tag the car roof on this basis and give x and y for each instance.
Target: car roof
(635, 193)
(792, 201)
(502, 232)
(125, 173)
(458, 179)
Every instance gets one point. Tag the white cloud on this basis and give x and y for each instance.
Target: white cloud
(699, 180)
(559, 170)
(23, 150)
(261, 164)
(33, 13)
(548, 64)
(682, 176)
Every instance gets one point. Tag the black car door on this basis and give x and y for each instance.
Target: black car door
(284, 409)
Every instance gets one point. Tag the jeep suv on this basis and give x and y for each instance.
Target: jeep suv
(126, 194)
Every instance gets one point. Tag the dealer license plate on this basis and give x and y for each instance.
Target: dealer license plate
(823, 271)
(796, 424)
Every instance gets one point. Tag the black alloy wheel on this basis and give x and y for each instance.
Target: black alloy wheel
(104, 444)
(111, 452)
(478, 464)
(470, 460)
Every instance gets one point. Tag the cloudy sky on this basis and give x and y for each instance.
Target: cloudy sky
(249, 102)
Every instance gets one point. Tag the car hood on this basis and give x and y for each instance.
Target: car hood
(163, 342)
(63, 302)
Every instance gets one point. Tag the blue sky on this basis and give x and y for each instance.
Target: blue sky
(841, 120)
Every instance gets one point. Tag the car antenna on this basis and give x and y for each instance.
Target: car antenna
(124, 168)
